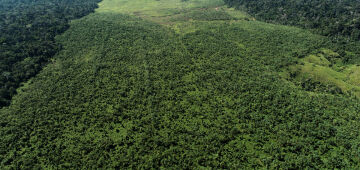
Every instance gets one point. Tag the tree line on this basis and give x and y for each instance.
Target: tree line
(329, 18)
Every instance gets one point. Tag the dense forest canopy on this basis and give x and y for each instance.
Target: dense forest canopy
(128, 93)
(27, 31)
(327, 17)
(180, 84)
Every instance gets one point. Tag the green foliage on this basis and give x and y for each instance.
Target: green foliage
(336, 18)
(27, 31)
(127, 93)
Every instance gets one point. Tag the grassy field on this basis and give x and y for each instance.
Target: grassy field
(318, 68)
(171, 12)
(155, 8)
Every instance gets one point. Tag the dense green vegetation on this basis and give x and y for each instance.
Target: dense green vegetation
(188, 87)
(27, 31)
(338, 19)
(335, 17)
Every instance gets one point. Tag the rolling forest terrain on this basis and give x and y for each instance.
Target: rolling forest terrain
(186, 84)
(27, 32)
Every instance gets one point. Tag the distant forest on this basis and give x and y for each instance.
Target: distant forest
(27, 31)
(339, 18)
